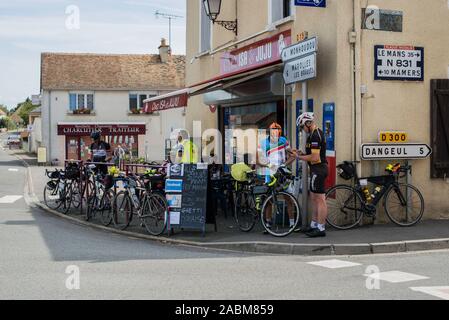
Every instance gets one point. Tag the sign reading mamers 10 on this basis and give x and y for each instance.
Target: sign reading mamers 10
(256, 55)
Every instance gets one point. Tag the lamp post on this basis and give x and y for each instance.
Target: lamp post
(213, 8)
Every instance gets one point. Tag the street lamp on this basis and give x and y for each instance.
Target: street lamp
(213, 8)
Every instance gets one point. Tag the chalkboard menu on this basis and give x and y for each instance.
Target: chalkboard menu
(188, 208)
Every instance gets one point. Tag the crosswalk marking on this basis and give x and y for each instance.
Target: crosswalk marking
(9, 199)
(13, 170)
(396, 276)
(334, 264)
(439, 292)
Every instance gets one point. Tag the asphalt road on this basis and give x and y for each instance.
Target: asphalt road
(44, 257)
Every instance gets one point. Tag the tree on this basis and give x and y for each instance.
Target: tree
(4, 109)
(23, 111)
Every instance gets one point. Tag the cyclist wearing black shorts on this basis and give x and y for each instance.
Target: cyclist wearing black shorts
(316, 159)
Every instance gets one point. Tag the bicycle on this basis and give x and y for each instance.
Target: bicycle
(347, 204)
(56, 191)
(268, 203)
(99, 199)
(137, 197)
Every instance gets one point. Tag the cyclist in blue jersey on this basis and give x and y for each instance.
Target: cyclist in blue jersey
(274, 151)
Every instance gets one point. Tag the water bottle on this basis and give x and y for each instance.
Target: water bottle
(367, 194)
(377, 190)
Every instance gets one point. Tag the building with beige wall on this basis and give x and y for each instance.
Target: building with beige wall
(347, 35)
(86, 92)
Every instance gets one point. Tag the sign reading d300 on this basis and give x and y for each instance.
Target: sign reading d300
(405, 63)
(393, 137)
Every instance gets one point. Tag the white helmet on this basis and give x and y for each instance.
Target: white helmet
(305, 117)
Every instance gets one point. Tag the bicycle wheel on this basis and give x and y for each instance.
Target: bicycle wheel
(66, 201)
(280, 214)
(154, 214)
(404, 205)
(75, 194)
(245, 211)
(105, 209)
(344, 207)
(52, 195)
(122, 210)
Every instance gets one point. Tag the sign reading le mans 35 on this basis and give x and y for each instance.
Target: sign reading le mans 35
(405, 63)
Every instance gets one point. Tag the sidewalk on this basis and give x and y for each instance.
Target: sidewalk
(427, 235)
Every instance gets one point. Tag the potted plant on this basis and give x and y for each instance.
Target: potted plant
(135, 111)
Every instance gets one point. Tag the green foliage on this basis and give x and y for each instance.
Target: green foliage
(23, 110)
(6, 122)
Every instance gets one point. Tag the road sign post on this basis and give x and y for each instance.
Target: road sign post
(300, 61)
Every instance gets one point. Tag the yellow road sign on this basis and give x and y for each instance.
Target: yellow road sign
(393, 137)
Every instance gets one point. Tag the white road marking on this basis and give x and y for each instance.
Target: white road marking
(10, 199)
(439, 292)
(334, 264)
(396, 276)
(13, 170)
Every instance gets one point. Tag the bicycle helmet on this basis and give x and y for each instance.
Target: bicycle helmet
(95, 135)
(305, 117)
(275, 126)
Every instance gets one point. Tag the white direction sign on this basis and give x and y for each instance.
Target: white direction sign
(301, 69)
(377, 151)
(405, 63)
(300, 49)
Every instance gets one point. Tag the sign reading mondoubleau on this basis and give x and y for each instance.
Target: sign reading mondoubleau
(300, 61)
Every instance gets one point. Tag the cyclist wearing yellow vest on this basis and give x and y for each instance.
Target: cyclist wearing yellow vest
(189, 152)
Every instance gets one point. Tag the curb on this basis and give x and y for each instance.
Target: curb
(279, 248)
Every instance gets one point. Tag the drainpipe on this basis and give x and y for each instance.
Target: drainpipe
(49, 127)
(357, 83)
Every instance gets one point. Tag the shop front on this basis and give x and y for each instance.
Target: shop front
(121, 135)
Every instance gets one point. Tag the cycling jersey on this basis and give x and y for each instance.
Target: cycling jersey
(316, 143)
(275, 153)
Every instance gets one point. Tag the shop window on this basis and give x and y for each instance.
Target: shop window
(79, 101)
(206, 29)
(280, 9)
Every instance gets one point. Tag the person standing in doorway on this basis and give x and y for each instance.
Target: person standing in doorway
(100, 151)
(315, 156)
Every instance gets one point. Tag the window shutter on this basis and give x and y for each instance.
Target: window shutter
(205, 41)
(132, 101)
(277, 10)
(440, 128)
(90, 101)
(72, 98)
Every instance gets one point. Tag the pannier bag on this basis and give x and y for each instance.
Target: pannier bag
(72, 171)
(346, 170)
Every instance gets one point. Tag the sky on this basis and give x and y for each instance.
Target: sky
(29, 27)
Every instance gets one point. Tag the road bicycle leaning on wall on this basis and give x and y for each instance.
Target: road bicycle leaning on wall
(403, 203)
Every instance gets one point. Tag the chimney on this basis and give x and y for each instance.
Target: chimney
(164, 51)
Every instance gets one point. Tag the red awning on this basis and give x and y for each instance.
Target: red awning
(175, 99)
(179, 99)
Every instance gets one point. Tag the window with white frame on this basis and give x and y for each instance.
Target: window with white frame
(81, 100)
(136, 99)
(280, 9)
(205, 29)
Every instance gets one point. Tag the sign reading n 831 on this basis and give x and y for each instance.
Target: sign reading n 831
(378, 151)
(404, 63)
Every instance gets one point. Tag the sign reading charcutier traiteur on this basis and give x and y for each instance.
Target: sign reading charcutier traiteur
(404, 63)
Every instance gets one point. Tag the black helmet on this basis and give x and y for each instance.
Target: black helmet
(95, 135)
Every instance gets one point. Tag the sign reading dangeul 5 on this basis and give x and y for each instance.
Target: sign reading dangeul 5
(377, 151)
(404, 63)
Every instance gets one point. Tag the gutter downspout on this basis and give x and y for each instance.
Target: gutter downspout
(49, 126)
(357, 84)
